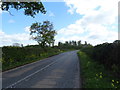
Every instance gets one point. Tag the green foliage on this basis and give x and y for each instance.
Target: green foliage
(70, 45)
(106, 54)
(88, 49)
(94, 75)
(16, 56)
(30, 8)
(43, 33)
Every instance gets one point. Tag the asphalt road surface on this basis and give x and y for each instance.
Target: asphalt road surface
(60, 71)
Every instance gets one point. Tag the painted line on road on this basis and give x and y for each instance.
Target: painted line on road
(29, 64)
(25, 65)
(12, 85)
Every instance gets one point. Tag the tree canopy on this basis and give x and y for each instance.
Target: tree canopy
(43, 33)
(30, 8)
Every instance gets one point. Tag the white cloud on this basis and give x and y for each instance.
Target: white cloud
(11, 21)
(22, 38)
(27, 29)
(51, 14)
(94, 26)
(87, 6)
(94, 33)
(71, 30)
(92, 38)
(104, 15)
(71, 10)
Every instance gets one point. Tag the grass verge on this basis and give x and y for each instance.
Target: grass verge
(18, 64)
(94, 75)
(33, 59)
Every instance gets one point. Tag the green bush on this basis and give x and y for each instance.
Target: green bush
(15, 56)
(106, 54)
(94, 75)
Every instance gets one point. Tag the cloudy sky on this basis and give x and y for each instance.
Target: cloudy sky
(94, 21)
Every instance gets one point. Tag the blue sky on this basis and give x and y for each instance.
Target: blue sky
(59, 17)
(79, 20)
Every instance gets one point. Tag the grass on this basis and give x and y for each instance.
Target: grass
(94, 75)
(31, 59)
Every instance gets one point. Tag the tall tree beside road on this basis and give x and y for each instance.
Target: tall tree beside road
(30, 8)
(43, 33)
(79, 42)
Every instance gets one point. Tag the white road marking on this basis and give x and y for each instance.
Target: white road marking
(11, 86)
(24, 65)
(29, 64)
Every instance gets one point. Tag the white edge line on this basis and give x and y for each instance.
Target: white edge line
(28, 64)
(24, 65)
(10, 86)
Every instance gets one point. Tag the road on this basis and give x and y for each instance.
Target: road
(59, 71)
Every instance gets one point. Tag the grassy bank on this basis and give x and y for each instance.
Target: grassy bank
(94, 75)
(13, 57)
(18, 56)
(33, 59)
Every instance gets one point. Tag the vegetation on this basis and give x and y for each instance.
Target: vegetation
(30, 8)
(94, 75)
(107, 55)
(72, 45)
(99, 63)
(16, 56)
(43, 33)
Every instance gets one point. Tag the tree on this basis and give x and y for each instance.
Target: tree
(30, 8)
(85, 42)
(70, 43)
(43, 33)
(66, 43)
(60, 44)
(117, 41)
(74, 43)
(79, 42)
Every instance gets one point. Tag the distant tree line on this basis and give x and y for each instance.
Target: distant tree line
(72, 45)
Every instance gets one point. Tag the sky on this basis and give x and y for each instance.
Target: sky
(94, 21)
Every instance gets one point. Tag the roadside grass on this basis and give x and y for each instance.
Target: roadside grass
(29, 59)
(94, 75)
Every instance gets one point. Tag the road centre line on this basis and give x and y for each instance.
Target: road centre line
(11, 86)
